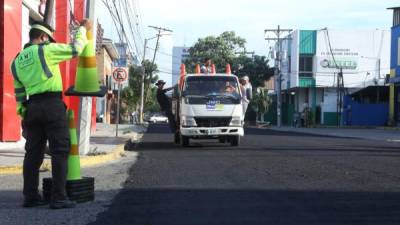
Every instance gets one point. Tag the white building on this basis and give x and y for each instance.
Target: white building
(179, 54)
(311, 62)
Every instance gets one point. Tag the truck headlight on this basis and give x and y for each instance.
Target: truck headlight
(188, 121)
(236, 121)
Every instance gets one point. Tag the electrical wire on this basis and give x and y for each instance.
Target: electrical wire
(129, 17)
(117, 20)
(164, 53)
(136, 17)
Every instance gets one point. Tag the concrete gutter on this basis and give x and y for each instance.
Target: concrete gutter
(115, 152)
(86, 161)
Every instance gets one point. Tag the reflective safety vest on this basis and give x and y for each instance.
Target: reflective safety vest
(36, 68)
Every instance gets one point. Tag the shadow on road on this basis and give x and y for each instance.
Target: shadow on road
(159, 137)
(257, 131)
(250, 207)
(166, 188)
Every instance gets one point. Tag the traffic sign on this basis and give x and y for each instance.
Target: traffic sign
(120, 75)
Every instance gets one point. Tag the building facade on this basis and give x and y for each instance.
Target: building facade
(17, 16)
(108, 53)
(311, 64)
(394, 111)
(179, 54)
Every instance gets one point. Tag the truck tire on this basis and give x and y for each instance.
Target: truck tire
(235, 140)
(177, 138)
(185, 141)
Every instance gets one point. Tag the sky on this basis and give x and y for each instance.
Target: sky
(190, 20)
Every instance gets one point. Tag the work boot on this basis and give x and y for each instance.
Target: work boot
(38, 201)
(62, 204)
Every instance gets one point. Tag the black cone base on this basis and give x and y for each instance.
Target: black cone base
(81, 190)
(71, 92)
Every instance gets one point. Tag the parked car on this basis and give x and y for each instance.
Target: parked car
(158, 118)
(99, 118)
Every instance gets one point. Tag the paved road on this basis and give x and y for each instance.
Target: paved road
(272, 178)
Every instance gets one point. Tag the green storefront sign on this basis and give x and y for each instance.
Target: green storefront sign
(306, 82)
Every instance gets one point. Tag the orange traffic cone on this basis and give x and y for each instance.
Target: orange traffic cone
(182, 76)
(228, 69)
(197, 69)
(87, 82)
(74, 167)
(213, 69)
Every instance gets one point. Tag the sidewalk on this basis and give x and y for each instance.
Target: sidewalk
(379, 134)
(104, 147)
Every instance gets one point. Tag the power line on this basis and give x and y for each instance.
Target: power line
(137, 10)
(105, 2)
(164, 53)
(129, 17)
(136, 19)
(117, 19)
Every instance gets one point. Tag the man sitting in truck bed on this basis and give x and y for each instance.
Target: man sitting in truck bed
(165, 103)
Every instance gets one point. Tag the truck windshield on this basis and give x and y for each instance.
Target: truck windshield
(205, 86)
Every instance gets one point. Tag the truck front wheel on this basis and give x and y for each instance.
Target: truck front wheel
(235, 140)
(185, 141)
(222, 139)
(177, 137)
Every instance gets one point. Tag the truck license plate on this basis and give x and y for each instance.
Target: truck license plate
(211, 131)
(214, 105)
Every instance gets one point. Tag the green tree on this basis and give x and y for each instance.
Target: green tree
(260, 103)
(221, 50)
(229, 48)
(256, 68)
(131, 95)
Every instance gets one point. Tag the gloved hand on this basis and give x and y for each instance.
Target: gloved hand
(21, 110)
(87, 24)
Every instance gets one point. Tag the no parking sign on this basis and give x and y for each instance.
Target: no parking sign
(120, 75)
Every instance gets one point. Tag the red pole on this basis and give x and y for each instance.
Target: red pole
(62, 35)
(10, 44)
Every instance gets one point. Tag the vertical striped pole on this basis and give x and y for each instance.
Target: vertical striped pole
(74, 167)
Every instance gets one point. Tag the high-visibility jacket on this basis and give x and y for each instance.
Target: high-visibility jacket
(36, 68)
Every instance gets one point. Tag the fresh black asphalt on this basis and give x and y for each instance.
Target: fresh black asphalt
(272, 178)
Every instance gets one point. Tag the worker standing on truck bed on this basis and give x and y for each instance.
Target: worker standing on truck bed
(165, 103)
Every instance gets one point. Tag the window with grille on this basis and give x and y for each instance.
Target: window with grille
(306, 66)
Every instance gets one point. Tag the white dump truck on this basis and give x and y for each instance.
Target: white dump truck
(208, 106)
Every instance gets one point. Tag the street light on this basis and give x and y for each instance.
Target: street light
(377, 75)
(377, 66)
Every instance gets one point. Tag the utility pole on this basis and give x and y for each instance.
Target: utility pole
(279, 37)
(143, 71)
(160, 29)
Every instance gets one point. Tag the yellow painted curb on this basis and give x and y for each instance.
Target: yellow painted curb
(86, 161)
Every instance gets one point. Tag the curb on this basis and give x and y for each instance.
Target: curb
(85, 161)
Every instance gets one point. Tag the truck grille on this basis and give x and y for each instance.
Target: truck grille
(213, 121)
